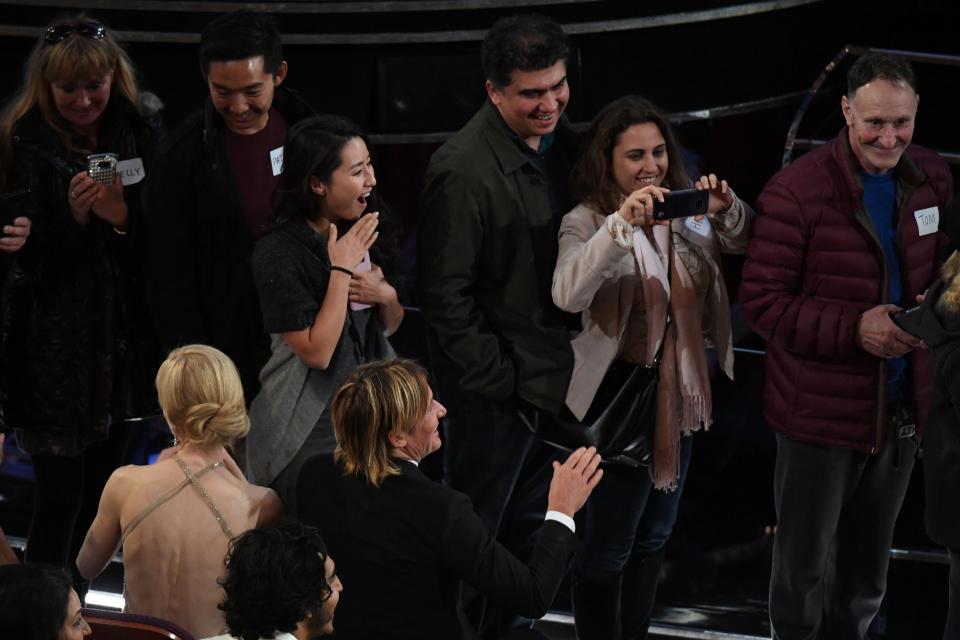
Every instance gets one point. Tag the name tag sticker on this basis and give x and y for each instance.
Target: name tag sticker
(276, 161)
(928, 220)
(131, 171)
(699, 227)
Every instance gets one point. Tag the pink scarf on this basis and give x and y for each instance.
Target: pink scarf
(684, 402)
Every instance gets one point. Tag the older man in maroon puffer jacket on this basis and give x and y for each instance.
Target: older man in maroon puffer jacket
(846, 236)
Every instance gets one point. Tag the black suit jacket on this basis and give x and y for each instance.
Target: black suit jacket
(401, 549)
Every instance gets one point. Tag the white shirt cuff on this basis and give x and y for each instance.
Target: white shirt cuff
(563, 519)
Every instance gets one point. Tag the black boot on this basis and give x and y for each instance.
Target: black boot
(596, 608)
(640, 579)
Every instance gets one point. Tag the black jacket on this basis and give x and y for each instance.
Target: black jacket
(75, 340)
(486, 250)
(199, 284)
(940, 329)
(402, 548)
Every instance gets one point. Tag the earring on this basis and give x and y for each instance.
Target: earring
(176, 443)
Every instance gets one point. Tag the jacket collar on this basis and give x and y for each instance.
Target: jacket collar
(906, 172)
(504, 142)
(408, 468)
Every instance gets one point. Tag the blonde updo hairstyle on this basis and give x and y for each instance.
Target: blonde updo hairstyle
(201, 396)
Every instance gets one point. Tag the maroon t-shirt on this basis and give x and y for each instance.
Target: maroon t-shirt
(257, 162)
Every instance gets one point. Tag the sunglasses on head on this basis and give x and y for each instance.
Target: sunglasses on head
(92, 30)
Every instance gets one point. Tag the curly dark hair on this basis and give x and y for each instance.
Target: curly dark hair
(33, 601)
(592, 179)
(521, 43)
(274, 578)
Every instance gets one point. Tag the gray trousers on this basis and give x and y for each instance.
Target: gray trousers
(836, 509)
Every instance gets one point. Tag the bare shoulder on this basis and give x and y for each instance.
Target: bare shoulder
(129, 476)
(125, 485)
(265, 504)
(142, 481)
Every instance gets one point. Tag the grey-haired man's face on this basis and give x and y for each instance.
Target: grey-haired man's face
(880, 117)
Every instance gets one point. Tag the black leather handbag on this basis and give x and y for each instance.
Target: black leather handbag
(619, 422)
(621, 419)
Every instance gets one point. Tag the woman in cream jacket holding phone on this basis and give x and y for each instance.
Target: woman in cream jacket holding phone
(617, 269)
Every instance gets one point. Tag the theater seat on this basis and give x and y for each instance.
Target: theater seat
(112, 625)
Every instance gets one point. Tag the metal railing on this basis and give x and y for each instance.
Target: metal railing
(677, 117)
(793, 142)
(414, 37)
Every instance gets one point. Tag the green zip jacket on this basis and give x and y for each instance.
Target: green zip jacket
(487, 247)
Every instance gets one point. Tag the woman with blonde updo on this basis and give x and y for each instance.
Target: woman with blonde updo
(175, 519)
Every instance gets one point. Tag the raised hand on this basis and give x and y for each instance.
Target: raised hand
(15, 235)
(574, 480)
(721, 198)
(371, 287)
(637, 208)
(109, 204)
(81, 194)
(347, 252)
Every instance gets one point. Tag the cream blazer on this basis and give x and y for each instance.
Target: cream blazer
(596, 277)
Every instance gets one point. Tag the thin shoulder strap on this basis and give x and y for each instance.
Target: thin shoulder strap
(156, 504)
(193, 479)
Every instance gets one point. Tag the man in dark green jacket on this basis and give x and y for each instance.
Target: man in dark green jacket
(487, 244)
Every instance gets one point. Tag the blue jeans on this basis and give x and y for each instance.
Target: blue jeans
(625, 514)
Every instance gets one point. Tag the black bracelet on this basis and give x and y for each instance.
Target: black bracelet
(341, 269)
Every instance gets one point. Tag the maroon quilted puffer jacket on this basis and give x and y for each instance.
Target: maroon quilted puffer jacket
(813, 267)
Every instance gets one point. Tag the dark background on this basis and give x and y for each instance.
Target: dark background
(400, 91)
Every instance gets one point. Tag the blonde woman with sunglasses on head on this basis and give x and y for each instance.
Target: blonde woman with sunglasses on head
(72, 341)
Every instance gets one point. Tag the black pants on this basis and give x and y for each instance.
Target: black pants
(952, 629)
(836, 510)
(67, 495)
(491, 456)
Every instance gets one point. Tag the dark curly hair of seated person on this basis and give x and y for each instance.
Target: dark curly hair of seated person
(33, 601)
(274, 578)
